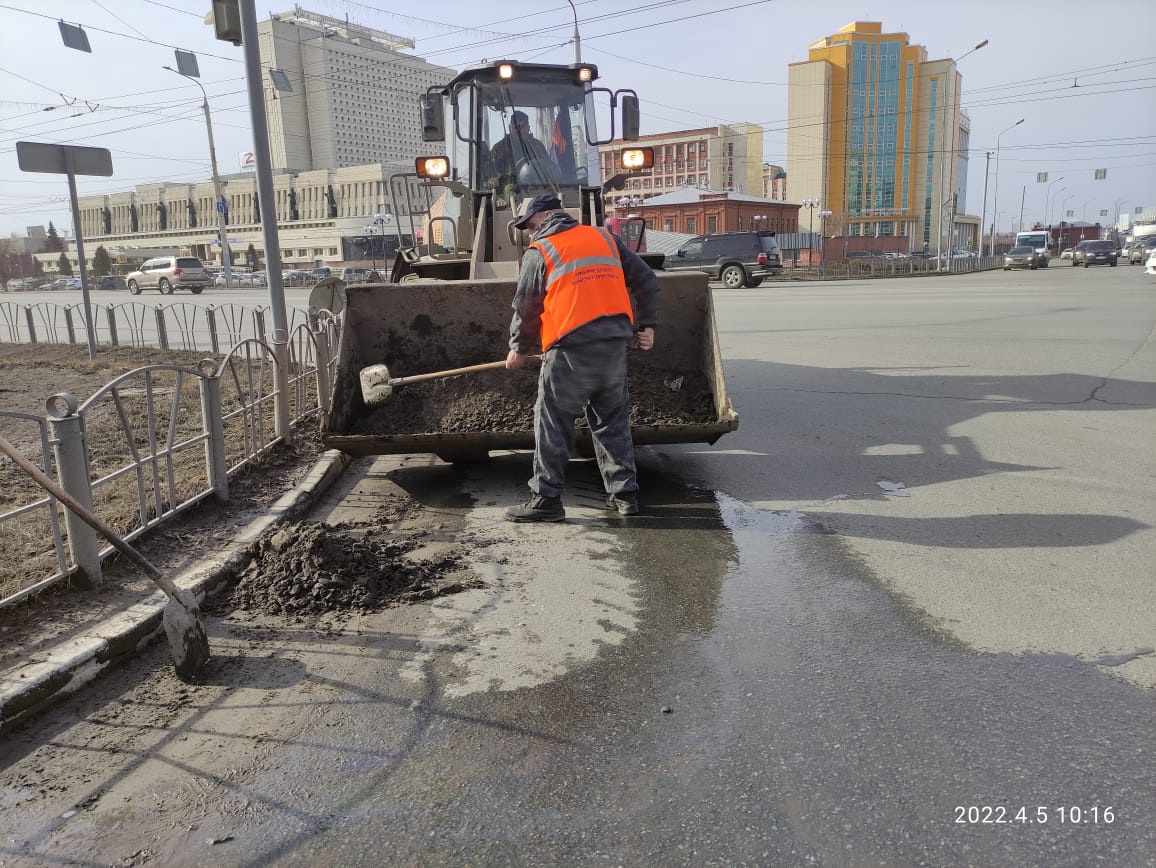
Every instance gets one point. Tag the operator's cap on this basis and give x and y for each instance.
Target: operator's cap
(537, 205)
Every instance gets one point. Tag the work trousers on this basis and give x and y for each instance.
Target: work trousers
(588, 378)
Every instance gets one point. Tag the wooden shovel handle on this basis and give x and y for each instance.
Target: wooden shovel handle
(107, 532)
(453, 372)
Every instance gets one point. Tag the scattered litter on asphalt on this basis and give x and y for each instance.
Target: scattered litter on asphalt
(896, 488)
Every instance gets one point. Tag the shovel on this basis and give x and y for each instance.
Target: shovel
(377, 385)
(188, 643)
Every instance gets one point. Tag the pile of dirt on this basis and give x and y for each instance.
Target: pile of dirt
(504, 401)
(314, 568)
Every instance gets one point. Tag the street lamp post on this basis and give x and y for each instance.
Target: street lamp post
(823, 215)
(1047, 206)
(1063, 208)
(983, 213)
(810, 205)
(379, 221)
(1084, 215)
(222, 231)
(577, 38)
(947, 170)
(995, 192)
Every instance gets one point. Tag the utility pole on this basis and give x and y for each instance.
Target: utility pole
(280, 336)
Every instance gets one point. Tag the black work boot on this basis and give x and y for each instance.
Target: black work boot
(626, 504)
(537, 508)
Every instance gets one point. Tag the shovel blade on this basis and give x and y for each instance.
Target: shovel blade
(375, 386)
(188, 644)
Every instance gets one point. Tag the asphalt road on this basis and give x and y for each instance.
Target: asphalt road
(780, 662)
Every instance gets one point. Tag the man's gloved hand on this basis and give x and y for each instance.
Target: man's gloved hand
(643, 339)
(515, 360)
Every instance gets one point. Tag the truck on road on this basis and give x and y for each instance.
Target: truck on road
(1039, 239)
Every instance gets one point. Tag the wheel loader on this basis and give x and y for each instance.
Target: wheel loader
(510, 131)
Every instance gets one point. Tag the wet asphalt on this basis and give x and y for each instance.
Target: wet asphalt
(714, 682)
(773, 705)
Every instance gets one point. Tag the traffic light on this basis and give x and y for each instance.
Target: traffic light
(227, 20)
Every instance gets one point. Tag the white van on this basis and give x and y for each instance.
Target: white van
(1039, 239)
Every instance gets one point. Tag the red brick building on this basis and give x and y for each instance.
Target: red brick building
(707, 212)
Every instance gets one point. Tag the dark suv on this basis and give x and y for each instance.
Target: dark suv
(1095, 253)
(736, 258)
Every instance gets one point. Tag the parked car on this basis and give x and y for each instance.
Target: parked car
(296, 277)
(1067, 253)
(74, 283)
(1150, 266)
(355, 275)
(167, 274)
(1138, 252)
(736, 258)
(108, 281)
(240, 278)
(1094, 252)
(1020, 257)
(322, 272)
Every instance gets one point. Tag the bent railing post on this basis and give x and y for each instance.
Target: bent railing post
(72, 471)
(213, 420)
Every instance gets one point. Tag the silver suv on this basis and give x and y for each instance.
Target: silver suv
(169, 273)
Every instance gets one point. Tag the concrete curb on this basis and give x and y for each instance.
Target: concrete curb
(65, 668)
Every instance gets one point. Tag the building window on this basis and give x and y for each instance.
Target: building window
(691, 222)
(667, 225)
(302, 253)
(332, 251)
(711, 225)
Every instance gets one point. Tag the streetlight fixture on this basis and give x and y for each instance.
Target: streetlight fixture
(379, 221)
(219, 201)
(995, 192)
(810, 205)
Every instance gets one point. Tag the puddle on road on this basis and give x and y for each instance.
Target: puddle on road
(558, 594)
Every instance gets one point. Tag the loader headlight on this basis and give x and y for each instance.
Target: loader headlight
(634, 159)
(432, 167)
(505, 71)
(586, 73)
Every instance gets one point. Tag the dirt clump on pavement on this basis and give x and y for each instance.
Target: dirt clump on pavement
(313, 568)
(504, 401)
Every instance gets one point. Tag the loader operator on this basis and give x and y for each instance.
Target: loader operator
(573, 299)
(519, 157)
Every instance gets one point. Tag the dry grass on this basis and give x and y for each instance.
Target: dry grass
(152, 416)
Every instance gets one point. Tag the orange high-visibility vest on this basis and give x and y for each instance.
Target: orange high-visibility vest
(584, 281)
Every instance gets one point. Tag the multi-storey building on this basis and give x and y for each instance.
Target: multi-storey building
(354, 97)
(876, 134)
(321, 216)
(726, 157)
(774, 182)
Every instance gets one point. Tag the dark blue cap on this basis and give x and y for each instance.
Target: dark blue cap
(537, 205)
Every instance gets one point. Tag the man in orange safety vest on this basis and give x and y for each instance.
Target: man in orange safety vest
(583, 297)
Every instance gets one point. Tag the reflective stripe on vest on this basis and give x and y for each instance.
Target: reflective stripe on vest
(584, 281)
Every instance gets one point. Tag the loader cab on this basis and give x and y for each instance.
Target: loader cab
(512, 131)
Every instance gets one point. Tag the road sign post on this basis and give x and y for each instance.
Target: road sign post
(70, 160)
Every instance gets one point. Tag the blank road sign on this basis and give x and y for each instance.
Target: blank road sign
(40, 157)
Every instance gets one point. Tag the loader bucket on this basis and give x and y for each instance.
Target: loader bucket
(678, 391)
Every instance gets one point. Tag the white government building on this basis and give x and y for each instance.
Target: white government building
(350, 122)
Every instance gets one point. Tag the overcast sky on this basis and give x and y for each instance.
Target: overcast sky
(1082, 75)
